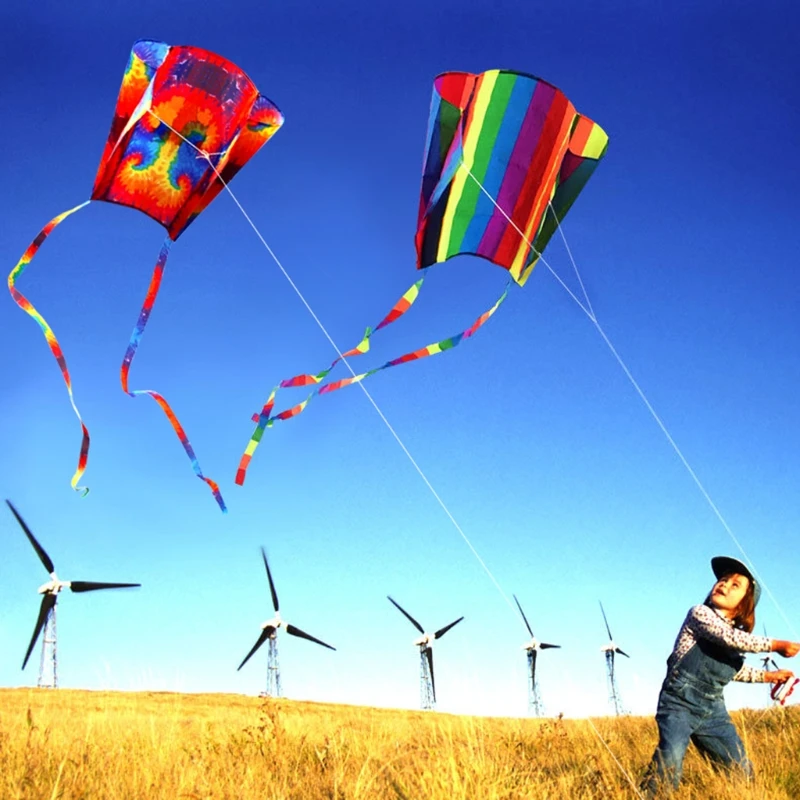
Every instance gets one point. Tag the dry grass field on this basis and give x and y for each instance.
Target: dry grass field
(79, 744)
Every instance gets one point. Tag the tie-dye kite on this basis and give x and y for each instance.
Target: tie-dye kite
(506, 156)
(185, 123)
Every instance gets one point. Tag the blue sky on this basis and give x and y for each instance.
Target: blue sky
(686, 238)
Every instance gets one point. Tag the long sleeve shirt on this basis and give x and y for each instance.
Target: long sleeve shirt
(707, 623)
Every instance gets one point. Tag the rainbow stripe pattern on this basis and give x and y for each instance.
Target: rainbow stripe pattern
(49, 335)
(505, 157)
(186, 121)
(266, 419)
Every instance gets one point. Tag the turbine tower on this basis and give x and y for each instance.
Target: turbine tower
(533, 647)
(611, 650)
(48, 665)
(769, 663)
(269, 632)
(427, 683)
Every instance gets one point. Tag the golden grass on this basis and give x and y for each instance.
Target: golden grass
(125, 746)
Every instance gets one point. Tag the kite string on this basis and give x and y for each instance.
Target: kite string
(615, 759)
(527, 241)
(341, 356)
(389, 426)
(374, 404)
(685, 462)
(590, 314)
(572, 260)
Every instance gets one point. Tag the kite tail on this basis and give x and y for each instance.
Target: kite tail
(133, 344)
(308, 379)
(50, 336)
(266, 420)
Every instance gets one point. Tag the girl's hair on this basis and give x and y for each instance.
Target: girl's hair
(745, 615)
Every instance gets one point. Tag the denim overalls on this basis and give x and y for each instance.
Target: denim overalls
(691, 707)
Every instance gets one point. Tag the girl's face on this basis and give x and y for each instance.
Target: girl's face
(728, 592)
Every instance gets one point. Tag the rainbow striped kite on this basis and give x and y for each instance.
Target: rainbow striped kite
(505, 157)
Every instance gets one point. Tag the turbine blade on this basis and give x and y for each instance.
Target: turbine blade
(48, 602)
(525, 619)
(43, 557)
(91, 586)
(442, 631)
(549, 646)
(429, 657)
(617, 650)
(532, 662)
(294, 631)
(271, 584)
(610, 637)
(407, 615)
(265, 634)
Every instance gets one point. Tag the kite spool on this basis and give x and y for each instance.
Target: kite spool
(781, 691)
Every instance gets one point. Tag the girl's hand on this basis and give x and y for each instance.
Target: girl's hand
(786, 649)
(779, 676)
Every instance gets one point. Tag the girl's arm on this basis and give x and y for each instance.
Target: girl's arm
(752, 675)
(778, 676)
(705, 623)
(786, 649)
(748, 674)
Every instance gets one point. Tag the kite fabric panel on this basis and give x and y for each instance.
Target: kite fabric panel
(186, 121)
(505, 157)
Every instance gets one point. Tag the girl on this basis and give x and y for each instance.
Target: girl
(708, 653)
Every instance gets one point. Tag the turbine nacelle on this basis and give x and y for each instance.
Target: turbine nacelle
(274, 623)
(53, 586)
(426, 640)
(612, 648)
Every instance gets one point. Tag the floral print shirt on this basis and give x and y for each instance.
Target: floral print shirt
(703, 622)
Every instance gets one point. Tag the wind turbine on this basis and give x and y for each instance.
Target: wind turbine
(427, 684)
(269, 632)
(47, 610)
(767, 661)
(611, 650)
(532, 648)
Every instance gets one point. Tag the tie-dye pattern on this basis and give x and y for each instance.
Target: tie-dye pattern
(186, 121)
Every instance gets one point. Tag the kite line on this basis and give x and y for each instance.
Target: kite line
(344, 360)
(590, 314)
(342, 357)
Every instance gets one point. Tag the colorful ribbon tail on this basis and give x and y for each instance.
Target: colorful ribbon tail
(307, 379)
(133, 344)
(50, 336)
(264, 420)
